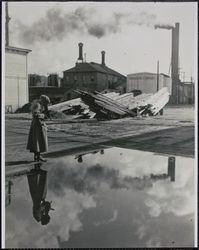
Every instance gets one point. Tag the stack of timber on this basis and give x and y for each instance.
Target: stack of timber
(158, 101)
(103, 106)
(150, 104)
(77, 105)
(64, 106)
(113, 105)
(124, 99)
(139, 101)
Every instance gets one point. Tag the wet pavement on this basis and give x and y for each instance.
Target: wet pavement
(109, 197)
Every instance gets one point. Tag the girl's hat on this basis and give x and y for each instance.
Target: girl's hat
(45, 99)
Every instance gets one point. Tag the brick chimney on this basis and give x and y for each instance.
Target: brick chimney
(80, 58)
(103, 57)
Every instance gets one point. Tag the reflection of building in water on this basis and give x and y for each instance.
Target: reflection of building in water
(170, 172)
(8, 185)
(80, 158)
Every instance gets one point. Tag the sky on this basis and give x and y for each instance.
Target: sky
(125, 30)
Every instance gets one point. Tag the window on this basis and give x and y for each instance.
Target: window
(115, 79)
(75, 78)
(92, 79)
(83, 78)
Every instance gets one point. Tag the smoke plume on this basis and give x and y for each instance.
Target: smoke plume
(57, 24)
(163, 26)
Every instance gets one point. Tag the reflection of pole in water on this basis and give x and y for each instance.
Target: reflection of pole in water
(8, 192)
(79, 159)
(102, 151)
(171, 167)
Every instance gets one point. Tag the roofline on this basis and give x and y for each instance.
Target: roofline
(150, 73)
(113, 73)
(11, 48)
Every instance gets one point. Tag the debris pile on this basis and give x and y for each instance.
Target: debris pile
(103, 106)
(126, 104)
(113, 105)
(26, 108)
(150, 104)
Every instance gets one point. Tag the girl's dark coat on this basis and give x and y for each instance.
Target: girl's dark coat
(37, 139)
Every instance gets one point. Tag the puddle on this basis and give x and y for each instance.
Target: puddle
(111, 197)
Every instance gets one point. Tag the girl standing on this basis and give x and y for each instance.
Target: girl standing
(37, 139)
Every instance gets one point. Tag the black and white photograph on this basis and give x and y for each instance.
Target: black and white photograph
(99, 124)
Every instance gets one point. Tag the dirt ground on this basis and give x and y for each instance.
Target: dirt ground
(172, 133)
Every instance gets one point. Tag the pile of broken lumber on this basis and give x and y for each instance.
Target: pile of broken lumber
(113, 105)
(103, 106)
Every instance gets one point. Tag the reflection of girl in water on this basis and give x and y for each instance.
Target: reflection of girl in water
(37, 180)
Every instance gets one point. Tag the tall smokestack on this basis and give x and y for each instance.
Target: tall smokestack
(80, 58)
(175, 62)
(174, 59)
(103, 57)
(7, 26)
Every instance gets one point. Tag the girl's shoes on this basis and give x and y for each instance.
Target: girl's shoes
(36, 158)
(39, 158)
(42, 159)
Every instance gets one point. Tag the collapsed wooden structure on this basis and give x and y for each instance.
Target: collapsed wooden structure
(113, 105)
(103, 106)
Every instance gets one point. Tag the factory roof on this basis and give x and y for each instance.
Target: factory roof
(15, 49)
(94, 67)
(147, 73)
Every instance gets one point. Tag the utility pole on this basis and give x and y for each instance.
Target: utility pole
(7, 26)
(157, 76)
(18, 90)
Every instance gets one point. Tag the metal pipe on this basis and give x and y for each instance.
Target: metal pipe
(157, 75)
(7, 25)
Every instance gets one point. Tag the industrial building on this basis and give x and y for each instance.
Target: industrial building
(49, 85)
(56, 94)
(16, 73)
(186, 93)
(35, 80)
(92, 76)
(54, 80)
(148, 82)
(16, 78)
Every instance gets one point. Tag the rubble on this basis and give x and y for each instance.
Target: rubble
(78, 107)
(26, 108)
(103, 106)
(126, 104)
(113, 105)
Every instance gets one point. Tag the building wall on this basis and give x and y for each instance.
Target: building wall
(186, 93)
(102, 81)
(35, 80)
(91, 81)
(147, 82)
(80, 80)
(16, 81)
(54, 80)
(55, 94)
(167, 82)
